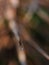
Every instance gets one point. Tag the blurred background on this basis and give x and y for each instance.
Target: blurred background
(33, 22)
